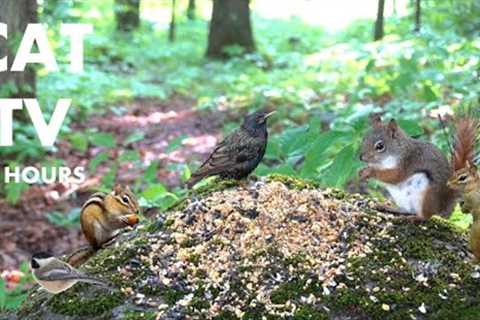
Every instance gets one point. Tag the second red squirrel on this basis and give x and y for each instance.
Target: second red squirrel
(415, 172)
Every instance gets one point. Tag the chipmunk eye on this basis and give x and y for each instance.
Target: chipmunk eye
(379, 146)
(462, 178)
(125, 200)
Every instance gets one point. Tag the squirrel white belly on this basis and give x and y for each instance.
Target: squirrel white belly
(415, 172)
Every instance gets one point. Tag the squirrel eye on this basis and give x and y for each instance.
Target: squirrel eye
(379, 146)
(125, 199)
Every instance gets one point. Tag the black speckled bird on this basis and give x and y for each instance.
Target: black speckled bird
(239, 153)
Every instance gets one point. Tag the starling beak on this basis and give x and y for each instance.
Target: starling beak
(239, 153)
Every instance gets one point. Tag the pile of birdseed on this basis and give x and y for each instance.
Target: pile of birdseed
(235, 247)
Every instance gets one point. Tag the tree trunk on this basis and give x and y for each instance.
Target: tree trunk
(191, 10)
(418, 15)
(17, 14)
(172, 28)
(127, 13)
(378, 35)
(230, 25)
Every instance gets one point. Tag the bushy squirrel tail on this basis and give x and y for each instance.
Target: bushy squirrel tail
(467, 133)
(80, 256)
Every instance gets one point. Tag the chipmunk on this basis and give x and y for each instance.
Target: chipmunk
(467, 182)
(415, 172)
(101, 218)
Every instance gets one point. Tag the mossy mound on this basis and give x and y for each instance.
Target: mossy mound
(276, 248)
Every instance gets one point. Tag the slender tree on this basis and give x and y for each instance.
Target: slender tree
(17, 14)
(418, 15)
(173, 26)
(191, 10)
(230, 25)
(378, 33)
(127, 14)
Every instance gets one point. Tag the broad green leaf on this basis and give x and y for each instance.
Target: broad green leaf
(341, 167)
(313, 157)
(102, 139)
(79, 141)
(134, 137)
(154, 192)
(129, 155)
(3, 294)
(411, 127)
(97, 160)
(150, 173)
(108, 180)
(14, 191)
(69, 220)
(175, 143)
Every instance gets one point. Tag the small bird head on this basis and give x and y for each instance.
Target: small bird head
(256, 120)
(40, 259)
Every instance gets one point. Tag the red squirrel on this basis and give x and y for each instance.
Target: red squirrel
(415, 173)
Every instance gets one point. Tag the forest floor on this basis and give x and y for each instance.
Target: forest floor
(26, 228)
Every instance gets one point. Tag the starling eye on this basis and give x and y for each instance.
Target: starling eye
(379, 146)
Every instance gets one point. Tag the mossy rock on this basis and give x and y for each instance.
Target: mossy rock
(276, 248)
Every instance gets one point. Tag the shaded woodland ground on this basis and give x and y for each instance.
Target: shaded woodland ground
(151, 104)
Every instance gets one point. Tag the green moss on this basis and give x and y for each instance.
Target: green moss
(292, 182)
(402, 252)
(188, 243)
(309, 312)
(226, 315)
(287, 291)
(393, 265)
(216, 185)
(194, 258)
(171, 296)
(75, 303)
(169, 222)
(139, 315)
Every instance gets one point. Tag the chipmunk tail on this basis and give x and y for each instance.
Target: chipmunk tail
(467, 129)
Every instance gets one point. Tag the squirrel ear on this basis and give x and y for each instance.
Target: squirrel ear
(393, 128)
(375, 120)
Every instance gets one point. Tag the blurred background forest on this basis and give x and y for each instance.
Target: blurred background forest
(162, 85)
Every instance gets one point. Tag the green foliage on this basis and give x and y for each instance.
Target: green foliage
(156, 195)
(14, 191)
(70, 220)
(11, 299)
(323, 85)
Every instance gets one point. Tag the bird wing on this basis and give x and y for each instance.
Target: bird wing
(236, 148)
(62, 271)
(59, 271)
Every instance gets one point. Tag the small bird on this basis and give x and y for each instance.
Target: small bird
(56, 276)
(239, 153)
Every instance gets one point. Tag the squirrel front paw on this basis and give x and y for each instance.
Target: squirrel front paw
(365, 173)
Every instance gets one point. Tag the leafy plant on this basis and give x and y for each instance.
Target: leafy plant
(11, 299)
(69, 220)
